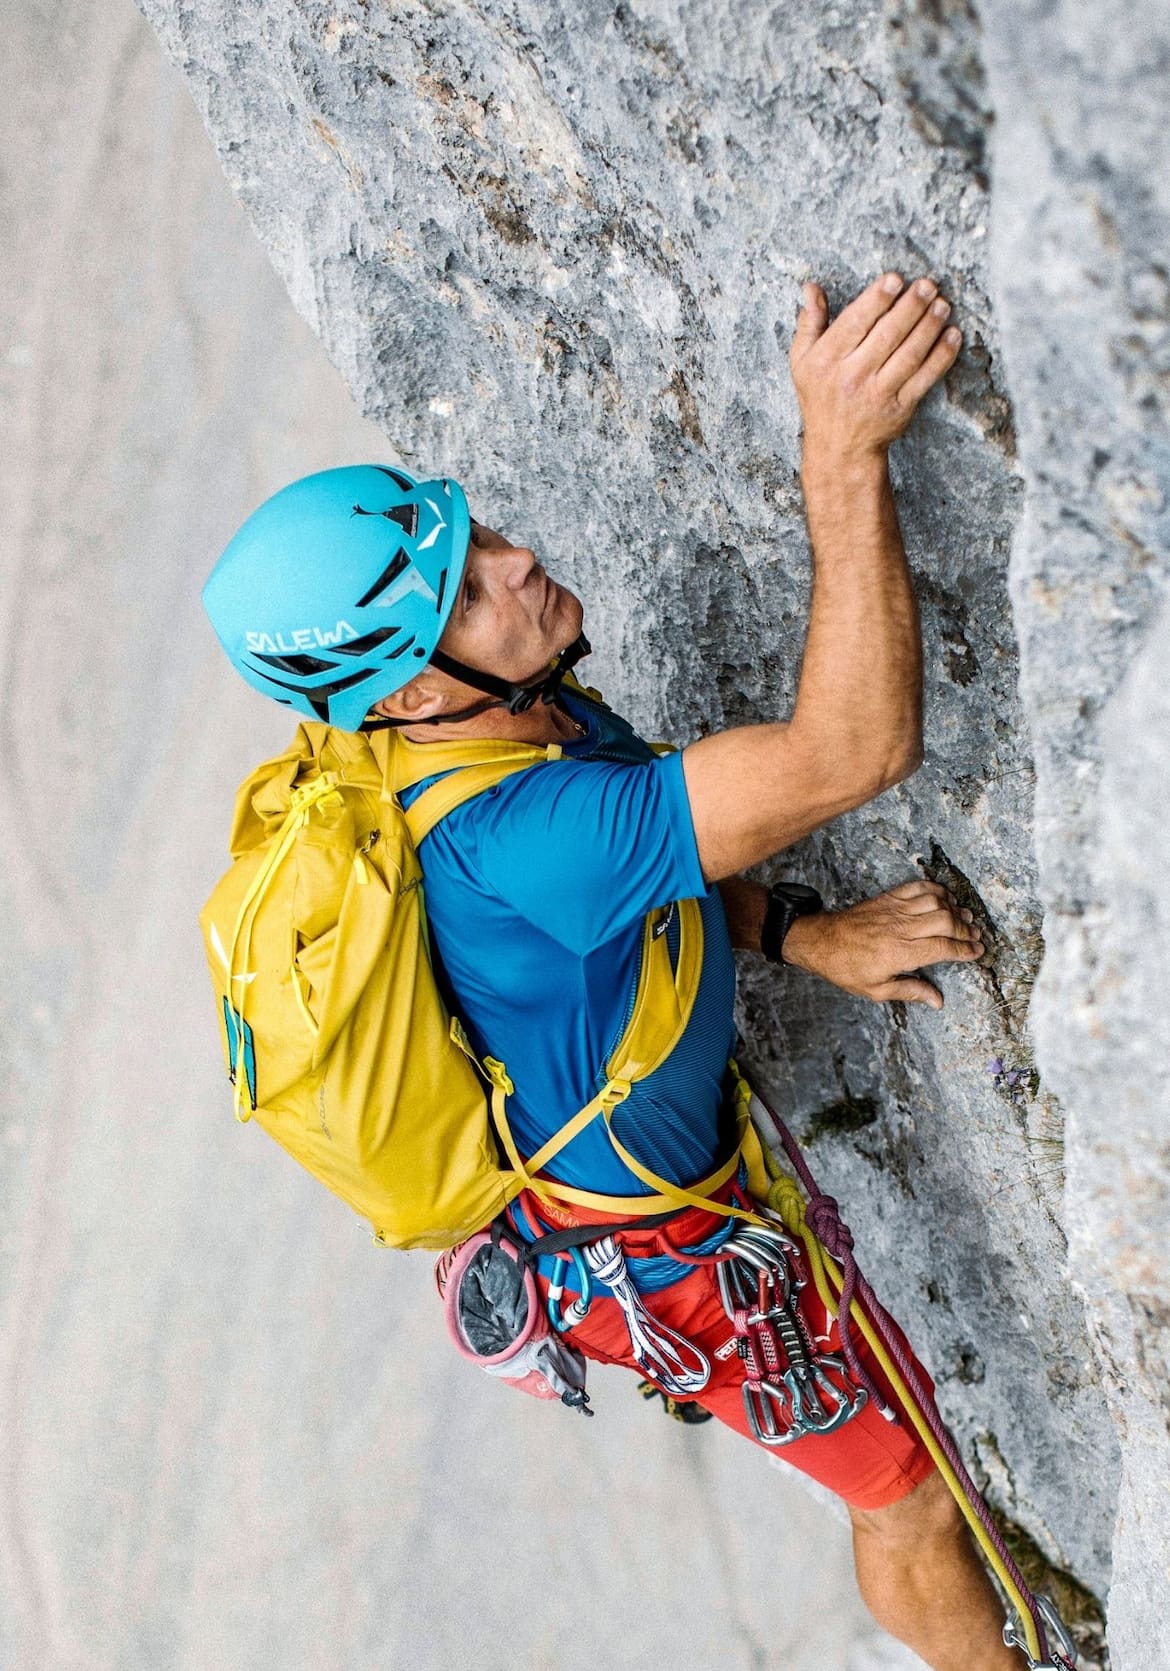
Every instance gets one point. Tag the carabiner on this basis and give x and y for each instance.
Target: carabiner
(774, 1245)
(761, 1417)
(1065, 1656)
(819, 1404)
(562, 1322)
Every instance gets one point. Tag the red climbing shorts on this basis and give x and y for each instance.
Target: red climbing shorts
(870, 1461)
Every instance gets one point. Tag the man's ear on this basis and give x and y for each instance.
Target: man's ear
(420, 699)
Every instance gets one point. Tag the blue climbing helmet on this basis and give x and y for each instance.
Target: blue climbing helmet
(336, 591)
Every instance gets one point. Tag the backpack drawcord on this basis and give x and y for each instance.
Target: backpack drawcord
(302, 800)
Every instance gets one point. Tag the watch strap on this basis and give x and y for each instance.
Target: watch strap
(786, 902)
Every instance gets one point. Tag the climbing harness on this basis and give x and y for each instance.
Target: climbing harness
(1036, 1627)
(789, 1390)
(673, 1362)
(792, 1389)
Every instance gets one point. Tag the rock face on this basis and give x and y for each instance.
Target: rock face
(1081, 277)
(557, 251)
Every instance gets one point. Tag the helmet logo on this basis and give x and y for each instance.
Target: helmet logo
(300, 639)
(410, 580)
(440, 524)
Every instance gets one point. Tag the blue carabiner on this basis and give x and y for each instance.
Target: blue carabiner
(563, 1322)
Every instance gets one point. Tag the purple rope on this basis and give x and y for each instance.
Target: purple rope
(823, 1217)
(824, 1220)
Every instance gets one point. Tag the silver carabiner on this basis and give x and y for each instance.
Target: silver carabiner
(1054, 1628)
(819, 1404)
(762, 1419)
(775, 1245)
(731, 1290)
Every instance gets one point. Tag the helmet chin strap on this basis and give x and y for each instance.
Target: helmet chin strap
(517, 699)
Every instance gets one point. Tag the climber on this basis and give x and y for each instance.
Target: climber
(537, 890)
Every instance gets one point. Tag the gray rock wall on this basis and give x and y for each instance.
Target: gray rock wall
(559, 256)
(1081, 276)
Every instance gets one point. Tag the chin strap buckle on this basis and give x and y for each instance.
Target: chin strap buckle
(548, 689)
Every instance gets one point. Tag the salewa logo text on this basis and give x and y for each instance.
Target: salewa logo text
(304, 638)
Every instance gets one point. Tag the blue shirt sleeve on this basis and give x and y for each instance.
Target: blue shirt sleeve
(582, 849)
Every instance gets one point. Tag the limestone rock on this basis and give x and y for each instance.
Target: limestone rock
(1081, 224)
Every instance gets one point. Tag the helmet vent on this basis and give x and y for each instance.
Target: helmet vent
(406, 516)
(323, 692)
(403, 482)
(304, 665)
(367, 642)
(387, 578)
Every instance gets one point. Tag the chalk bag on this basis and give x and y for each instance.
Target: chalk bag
(496, 1320)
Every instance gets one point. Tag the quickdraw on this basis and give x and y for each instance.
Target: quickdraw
(789, 1390)
(673, 1362)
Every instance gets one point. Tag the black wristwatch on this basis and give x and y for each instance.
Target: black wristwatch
(786, 902)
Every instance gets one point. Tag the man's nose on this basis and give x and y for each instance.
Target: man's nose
(519, 563)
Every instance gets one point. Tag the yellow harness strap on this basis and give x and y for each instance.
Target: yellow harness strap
(663, 1000)
(662, 1007)
(674, 1195)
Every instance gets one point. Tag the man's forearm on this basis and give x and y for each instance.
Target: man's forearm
(860, 689)
(856, 726)
(744, 905)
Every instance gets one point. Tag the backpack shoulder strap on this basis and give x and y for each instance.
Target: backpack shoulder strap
(450, 792)
(569, 682)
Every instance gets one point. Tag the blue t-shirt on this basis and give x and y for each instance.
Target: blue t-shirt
(536, 892)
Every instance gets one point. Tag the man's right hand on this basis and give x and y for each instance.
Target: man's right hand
(856, 727)
(878, 948)
(859, 379)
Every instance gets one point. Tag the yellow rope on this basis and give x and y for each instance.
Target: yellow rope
(785, 1199)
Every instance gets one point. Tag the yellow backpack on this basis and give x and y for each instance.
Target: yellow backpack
(336, 1037)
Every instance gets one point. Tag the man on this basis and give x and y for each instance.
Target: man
(538, 889)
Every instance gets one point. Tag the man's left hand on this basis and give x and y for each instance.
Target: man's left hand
(878, 948)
